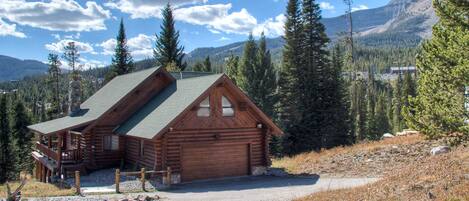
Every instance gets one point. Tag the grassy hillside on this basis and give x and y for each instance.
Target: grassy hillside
(407, 169)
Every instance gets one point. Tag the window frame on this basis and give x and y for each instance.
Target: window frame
(223, 107)
(208, 107)
(108, 146)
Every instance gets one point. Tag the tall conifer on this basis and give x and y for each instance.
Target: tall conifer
(168, 50)
(247, 79)
(7, 157)
(23, 137)
(122, 62)
(265, 95)
(443, 67)
(54, 81)
(207, 64)
(289, 113)
(231, 68)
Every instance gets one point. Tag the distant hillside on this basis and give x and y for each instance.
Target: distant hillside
(400, 23)
(14, 69)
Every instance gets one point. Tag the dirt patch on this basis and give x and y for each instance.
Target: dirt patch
(441, 177)
(370, 159)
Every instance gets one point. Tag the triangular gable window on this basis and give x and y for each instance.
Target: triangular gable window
(204, 108)
(227, 107)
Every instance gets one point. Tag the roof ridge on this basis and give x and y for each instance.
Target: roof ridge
(200, 77)
(139, 71)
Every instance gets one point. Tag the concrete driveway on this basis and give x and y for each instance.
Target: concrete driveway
(259, 188)
(255, 188)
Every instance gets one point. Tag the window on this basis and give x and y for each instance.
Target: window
(227, 107)
(111, 142)
(142, 147)
(204, 108)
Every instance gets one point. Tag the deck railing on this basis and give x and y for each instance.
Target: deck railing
(74, 155)
(46, 151)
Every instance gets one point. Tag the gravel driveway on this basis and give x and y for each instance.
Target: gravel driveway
(256, 188)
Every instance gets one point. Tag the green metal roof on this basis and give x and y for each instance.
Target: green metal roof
(155, 115)
(97, 104)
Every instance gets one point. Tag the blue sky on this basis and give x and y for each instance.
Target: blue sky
(32, 29)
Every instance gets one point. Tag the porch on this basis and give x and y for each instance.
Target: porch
(58, 153)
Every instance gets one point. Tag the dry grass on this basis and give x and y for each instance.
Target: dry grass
(296, 164)
(36, 189)
(442, 177)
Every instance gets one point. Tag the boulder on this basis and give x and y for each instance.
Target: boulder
(387, 135)
(440, 150)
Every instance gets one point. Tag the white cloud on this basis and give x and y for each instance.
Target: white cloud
(139, 46)
(217, 18)
(91, 63)
(223, 38)
(271, 27)
(10, 30)
(60, 45)
(56, 15)
(326, 6)
(75, 36)
(360, 7)
(147, 8)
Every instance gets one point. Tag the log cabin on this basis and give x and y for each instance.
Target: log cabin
(201, 125)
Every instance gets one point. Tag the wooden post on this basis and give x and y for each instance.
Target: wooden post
(59, 152)
(168, 176)
(77, 182)
(118, 176)
(142, 175)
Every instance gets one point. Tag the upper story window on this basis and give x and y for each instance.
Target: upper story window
(204, 108)
(227, 107)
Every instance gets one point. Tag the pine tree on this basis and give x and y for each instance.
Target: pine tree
(287, 107)
(7, 158)
(23, 137)
(54, 81)
(359, 108)
(231, 67)
(207, 64)
(371, 124)
(199, 67)
(247, 79)
(336, 125)
(381, 118)
(397, 105)
(72, 56)
(122, 62)
(265, 95)
(443, 66)
(167, 48)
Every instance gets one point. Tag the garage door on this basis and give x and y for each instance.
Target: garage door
(214, 161)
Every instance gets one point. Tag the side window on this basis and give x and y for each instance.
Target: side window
(204, 108)
(111, 142)
(227, 107)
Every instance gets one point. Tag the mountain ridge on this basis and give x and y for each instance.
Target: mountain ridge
(13, 68)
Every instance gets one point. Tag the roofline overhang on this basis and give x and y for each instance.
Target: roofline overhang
(61, 130)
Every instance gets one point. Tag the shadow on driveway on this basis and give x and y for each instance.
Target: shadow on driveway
(243, 183)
